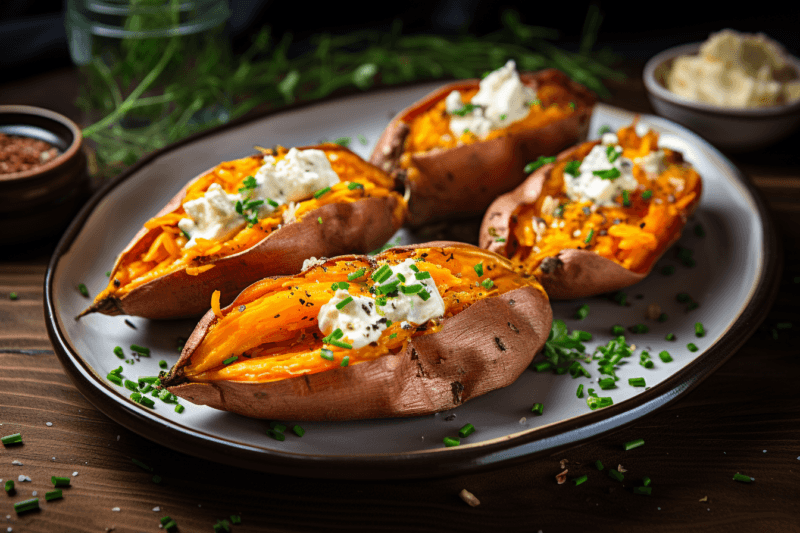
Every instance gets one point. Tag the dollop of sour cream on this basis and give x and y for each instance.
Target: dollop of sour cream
(602, 175)
(296, 177)
(501, 99)
(363, 319)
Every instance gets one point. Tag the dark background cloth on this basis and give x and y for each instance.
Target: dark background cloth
(33, 40)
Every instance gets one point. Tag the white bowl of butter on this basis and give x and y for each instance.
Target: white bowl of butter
(741, 92)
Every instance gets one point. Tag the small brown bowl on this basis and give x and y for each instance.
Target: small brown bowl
(41, 202)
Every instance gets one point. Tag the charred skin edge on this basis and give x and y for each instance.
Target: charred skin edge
(359, 226)
(571, 273)
(461, 182)
(433, 374)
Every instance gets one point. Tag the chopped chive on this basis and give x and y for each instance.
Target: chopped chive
(478, 269)
(636, 382)
(141, 350)
(354, 185)
(272, 202)
(617, 330)
(343, 141)
(500, 239)
(393, 336)
(170, 526)
(179, 408)
(424, 295)
(626, 198)
(326, 354)
(543, 366)
(579, 393)
(598, 464)
(163, 364)
(131, 385)
(136, 397)
(607, 383)
(386, 288)
(84, 291)
(646, 481)
(450, 441)
(581, 480)
(534, 165)
(610, 174)
(665, 356)
(422, 275)
(588, 238)
(615, 474)
(598, 402)
(357, 274)
(538, 408)
(343, 285)
(639, 328)
(340, 344)
(743, 478)
(643, 490)
(166, 396)
(144, 388)
(646, 195)
(382, 274)
(26, 505)
(699, 231)
(53, 495)
(113, 378)
(633, 444)
(297, 430)
(319, 219)
(670, 337)
(572, 105)
(235, 518)
(411, 289)
(277, 426)
(147, 402)
(487, 283)
(119, 353)
(321, 192)
(582, 312)
(277, 435)
(692, 347)
(692, 306)
(621, 297)
(699, 330)
(663, 317)
(572, 167)
(13, 296)
(148, 379)
(344, 302)
(466, 431)
(9, 486)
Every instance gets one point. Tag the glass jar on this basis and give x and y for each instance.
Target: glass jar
(153, 72)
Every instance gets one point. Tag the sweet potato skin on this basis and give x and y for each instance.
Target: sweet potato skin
(461, 182)
(485, 347)
(571, 273)
(347, 227)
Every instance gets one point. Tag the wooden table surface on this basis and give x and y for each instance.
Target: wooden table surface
(744, 418)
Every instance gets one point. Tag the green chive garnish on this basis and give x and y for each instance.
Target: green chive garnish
(179, 408)
(141, 350)
(633, 444)
(636, 382)
(595, 402)
(450, 441)
(235, 518)
(277, 426)
(53, 495)
(610, 174)
(581, 480)
(466, 431)
(422, 275)
(663, 317)
(230, 360)
(344, 302)
(639, 328)
(357, 274)
(13, 296)
(393, 336)
(382, 274)
(411, 289)
(340, 344)
(346, 360)
(478, 269)
(692, 347)
(319, 219)
(534, 165)
(354, 185)
(131, 385)
(646, 195)
(82, 288)
(16, 438)
(321, 192)
(326, 354)
(9, 486)
(579, 393)
(163, 364)
(543, 366)
(646, 481)
(670, 336)
(343, 141)
(582, 312)
(572, 167)
(538, 408)
(615, 474)
(26, 505)
(277, 435)
(743, 478)
(665, 356)
(617, 330)
(424, 295)
(699, 330)
(598, 464)
(297, 430)
(113, 378)
(588, 238)
(487, 284)
(387, 288)
(147, 402)
(643, 490)
(626, 198)
(607, 383)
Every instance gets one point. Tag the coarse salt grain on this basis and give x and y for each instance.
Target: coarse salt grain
(156, 509)
(16, 463)
(48, 424)
(523, 420)
(116, 509)
(34, 493)
(74, 474)
(23, 478)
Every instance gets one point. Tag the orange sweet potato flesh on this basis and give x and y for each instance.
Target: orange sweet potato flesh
(148, 281)
(462, 179)
(626, 241)
(485, 341)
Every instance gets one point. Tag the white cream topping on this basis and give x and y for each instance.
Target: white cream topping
(213, 216)
(296, 177)
(589, 186)
(410, 307)
(501, 100)
(653, 163)
(358, 319)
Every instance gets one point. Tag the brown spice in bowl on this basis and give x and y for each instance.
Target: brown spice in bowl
(18, 154)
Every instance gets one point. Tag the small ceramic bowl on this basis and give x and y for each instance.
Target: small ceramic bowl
(41, 202)
(731, 129)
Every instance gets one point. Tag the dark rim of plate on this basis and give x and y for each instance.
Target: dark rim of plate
(406, 465)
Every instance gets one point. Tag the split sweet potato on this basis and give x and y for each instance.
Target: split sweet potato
(576, 248)
(265, 356)
(454, 177)
(158, 276)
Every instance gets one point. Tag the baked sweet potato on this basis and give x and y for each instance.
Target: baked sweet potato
(161, 275)
(577, 246)
(265, 355)
(458, 176)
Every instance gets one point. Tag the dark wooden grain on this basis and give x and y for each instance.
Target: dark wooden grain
(693, 446)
